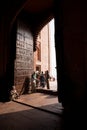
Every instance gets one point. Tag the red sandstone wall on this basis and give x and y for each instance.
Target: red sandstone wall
(43, 39)
(44, 49)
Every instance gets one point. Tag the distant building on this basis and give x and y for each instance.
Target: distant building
(42, 53)
(44, 56)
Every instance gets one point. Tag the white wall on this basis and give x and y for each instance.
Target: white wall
(52, 49)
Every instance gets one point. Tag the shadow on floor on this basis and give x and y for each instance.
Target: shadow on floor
(22, 117)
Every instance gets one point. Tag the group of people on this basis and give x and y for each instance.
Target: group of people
(37, 79)
(40, 79)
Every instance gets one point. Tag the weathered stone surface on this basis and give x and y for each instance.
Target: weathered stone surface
(24, 55)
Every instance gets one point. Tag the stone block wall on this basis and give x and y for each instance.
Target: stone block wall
(24, 55)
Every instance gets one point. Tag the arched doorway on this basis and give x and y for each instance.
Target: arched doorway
(25, 43)
(27, 31)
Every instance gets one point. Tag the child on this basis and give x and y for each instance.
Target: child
(14, 94)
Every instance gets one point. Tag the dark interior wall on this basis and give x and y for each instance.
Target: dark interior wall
(8, 13)
(7, 55)
(24, 55)
(71, 52)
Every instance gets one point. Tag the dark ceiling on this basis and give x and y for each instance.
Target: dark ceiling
(37, 6)
(38, 13)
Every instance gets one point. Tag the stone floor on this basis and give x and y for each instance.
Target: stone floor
(42, 101)
(29, 113)
(39, 111)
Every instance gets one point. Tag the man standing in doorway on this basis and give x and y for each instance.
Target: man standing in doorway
(47, 79)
